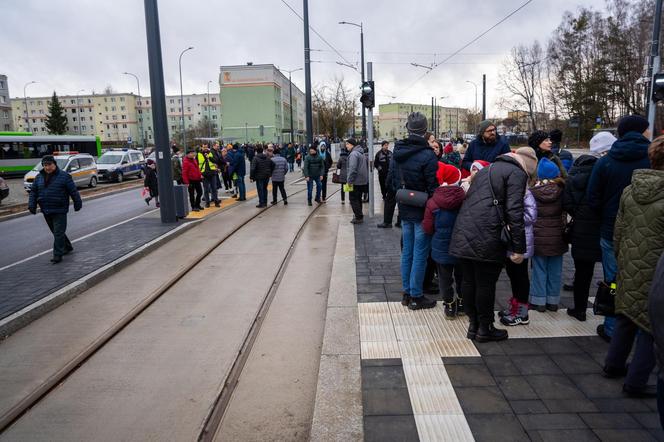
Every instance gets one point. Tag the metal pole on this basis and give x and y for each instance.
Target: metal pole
(25, 100)
(307, 74)
(160, 120)
(138, 86)
(290, 94)
(433, 118)
(483, 97)
(655, 64)
(208, 109)
(364, 115)
(78, 109)
(184, 135)
(370, 144)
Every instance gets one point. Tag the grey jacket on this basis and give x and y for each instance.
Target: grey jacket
(358, 169)
(280, 169)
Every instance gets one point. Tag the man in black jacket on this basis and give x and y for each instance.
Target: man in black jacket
(382, 165)
(476, 238)
(414, 167)
(260, 172)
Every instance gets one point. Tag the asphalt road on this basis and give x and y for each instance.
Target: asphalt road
(28, 235)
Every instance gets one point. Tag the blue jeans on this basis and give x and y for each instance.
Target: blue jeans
(57, 223)
(628, 335)
(610, 267)
(416, 247)
(310, 187)
(291, 166)
(210, 188)
(239, 185)
(546, 280)
(261, 189)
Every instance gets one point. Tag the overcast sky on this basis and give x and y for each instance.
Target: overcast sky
(69, 45)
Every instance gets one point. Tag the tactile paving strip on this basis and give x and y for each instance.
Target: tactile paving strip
(451, 427)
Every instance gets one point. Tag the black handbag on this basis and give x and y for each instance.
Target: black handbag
(336, 179)
(413, 198)
(505, 232)
(605, 299)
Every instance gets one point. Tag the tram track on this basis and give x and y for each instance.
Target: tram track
(213, 418)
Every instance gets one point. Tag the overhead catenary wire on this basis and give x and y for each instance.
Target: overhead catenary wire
(317, 33)
(446, 59)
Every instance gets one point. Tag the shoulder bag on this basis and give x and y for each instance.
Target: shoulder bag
(505, 233)
(413, 198)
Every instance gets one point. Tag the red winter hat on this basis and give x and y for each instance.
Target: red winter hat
(479, 165)
(448, 148)
(448, 174)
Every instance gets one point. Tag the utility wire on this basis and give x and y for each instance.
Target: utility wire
(317, 33)
(467, 44)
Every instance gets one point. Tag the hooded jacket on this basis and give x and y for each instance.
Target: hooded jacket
(414, 159)
(638, 243)
(342, 166)
(586, 222)
(237, 163)
(190, 171)
(439, 217)
(313, 166)
(479, 150)
(477, 232)
(53, 196)
(529, 218)
(261, 167)
(550, 219)
(382, 161)
(612, 173)
(358, 169)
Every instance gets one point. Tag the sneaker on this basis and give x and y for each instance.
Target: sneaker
(580, 315)
(384, 226)
(519, 316)
(343, 201)
(405, 299)
(217, 204)
(602, 333)
(357, 221)
(510, 308)
(539, 308)
(195, 209)
(451, 309)
(421, 302)
(488, 333)
(552, 307)
(472, 330)
(645, 392)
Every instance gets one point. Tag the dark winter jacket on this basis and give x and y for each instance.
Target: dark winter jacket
(550, 219)
(477, 232)
(290, 154)
(479, 150)
(382, 161)
(656, 313)
(638, 243)
(327, 161)
(150, 181)
(261, 167)
(237, 163)
(439, 217)
(280, 169)
(176, 168)
(251, 153)
(190, 171)
(313, 166)
(612, 173)
(342, 166)
(585, 221)
(414, 159)
(566, 158)
(52, 197)
(358, 167)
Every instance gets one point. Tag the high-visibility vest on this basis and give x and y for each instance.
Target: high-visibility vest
(204, 159)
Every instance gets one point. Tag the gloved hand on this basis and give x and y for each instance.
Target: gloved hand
(77, 208)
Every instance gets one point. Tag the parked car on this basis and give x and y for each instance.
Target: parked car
(81, 166)
(116, 165)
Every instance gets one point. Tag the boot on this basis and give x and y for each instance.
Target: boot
(405, 299)
(488, 333)
(472, 330)
(578, 314)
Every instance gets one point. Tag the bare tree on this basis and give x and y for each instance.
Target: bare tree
(334, 103)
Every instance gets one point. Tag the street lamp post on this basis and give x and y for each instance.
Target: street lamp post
(364, 112)
(25, 100)
(78, 109)
(140, 100)
(290, 93)
(208, 109)
(184, 136)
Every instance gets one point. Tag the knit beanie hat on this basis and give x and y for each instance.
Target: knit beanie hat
(529, 158)
(601, 142)
(479, 165)
(484, 125)
(417, 123)
(632, 123)
(556, 135)
(536, 138)
(448, 175)
(48, 159)
(547, 170)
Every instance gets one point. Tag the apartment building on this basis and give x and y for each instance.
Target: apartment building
(6, 120)
(393, 117)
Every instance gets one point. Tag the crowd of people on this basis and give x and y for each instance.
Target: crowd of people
(466, 218)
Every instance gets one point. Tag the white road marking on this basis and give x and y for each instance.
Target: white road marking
(76, 240)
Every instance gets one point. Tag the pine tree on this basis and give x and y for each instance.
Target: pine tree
(56, 120)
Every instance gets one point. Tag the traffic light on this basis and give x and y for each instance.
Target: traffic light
(658, 88)
(368, 93)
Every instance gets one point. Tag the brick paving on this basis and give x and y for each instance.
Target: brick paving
(26, 283)
(543, 389)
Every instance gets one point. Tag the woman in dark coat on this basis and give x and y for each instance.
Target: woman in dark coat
(584, 232)
(342, 172)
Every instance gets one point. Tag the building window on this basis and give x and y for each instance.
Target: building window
(106, 117)
(72, 101)
(39, 103)
(214, 116)
(172, 110)
(124, 117)
(73, 110)
(89, 101)
(108, 126)
(74, 119)
(189, 117)
(41, 111)
(113, 108)
(115, 126)
(112, 99)
(124, 126)
(2, 84)
(121, 98)
(75, 128)
(214, 99)
(122, 108)
(5, 115)
(115, 117)
(170, 101)
(188, 109)
(83, 128)
(172, 127)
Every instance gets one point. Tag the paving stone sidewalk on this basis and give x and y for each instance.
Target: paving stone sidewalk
(544, 389)
(28, 282)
